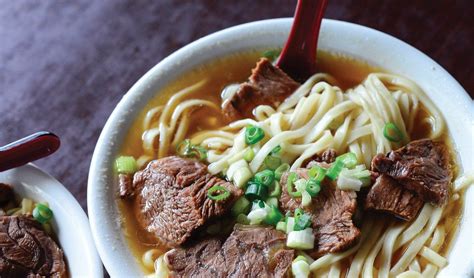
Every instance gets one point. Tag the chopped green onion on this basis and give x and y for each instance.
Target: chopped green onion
(272, 202)
(256, 191)
(266, 177)
(253, 134)
(312, 187)
(392, 132)
(335, 169)
(290, 224)
(272, 162)
(258, 204)
(300, 258)
(300, 268)
(305, 198)
(274, 216)
(298, 212)
(302, 221)
(242, 176)
(257, 216)
(281, 226)
(42, 213)
(276, 150)
(242, 205)
(276, 192)
(249, 154)
(126, 165)
(349, 160)
(271, 55)
(242, 219)
(303, 239)
(281, 170)
(300, 185)
(222, 193)
(317, 173)
(186, 149)
(289, 185)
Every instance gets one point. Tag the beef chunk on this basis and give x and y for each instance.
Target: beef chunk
(331, 215)
(6, 193)
(389, 196)
(248, 252)
(327, 157)
(170, 198)
(125, 185)
(27, 251)
(421, 166)
(267, 85)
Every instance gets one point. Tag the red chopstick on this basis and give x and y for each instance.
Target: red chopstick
(28, 149)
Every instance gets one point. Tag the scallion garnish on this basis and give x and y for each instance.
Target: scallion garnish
(42, 213)
(218, 193)
(335, 169)
(292, 177)
(126, 165)
(187, 149)
(281, 170)
(276, 150)
(272, 162)
(302, 220)
(276, 192)
(249, 154)
(256, 191)
(271, 55)
(274, 216)
(313, 187)
(265, 177)
(349, 160)
(253, 134)
(392, 132)
(241, 206)
(317, 173)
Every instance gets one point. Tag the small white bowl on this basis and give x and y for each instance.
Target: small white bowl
(69, 223)
(358, 41)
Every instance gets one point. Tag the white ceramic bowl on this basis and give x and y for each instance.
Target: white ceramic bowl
(69, 223)
(358, 41)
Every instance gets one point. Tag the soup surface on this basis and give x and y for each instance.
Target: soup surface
(235, 69)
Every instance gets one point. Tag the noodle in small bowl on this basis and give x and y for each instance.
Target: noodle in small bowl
(374, 47)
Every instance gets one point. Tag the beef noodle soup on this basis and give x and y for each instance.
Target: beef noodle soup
(349, 173)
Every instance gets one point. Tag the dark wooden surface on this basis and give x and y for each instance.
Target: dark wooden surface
(64, 65)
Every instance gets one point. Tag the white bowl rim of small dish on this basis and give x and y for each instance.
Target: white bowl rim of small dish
(70, 223)
(358, 41)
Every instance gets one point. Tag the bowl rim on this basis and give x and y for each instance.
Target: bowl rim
(104, 219)
(33, 182)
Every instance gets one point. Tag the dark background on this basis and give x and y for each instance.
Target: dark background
(64, 65)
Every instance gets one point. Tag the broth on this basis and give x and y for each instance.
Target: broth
(236, 68)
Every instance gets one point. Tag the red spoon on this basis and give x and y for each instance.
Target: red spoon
(298, 57)
(28, 149)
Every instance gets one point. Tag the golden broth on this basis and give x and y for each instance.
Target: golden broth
(235, 69)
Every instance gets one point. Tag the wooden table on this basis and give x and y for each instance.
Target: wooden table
(64, 65)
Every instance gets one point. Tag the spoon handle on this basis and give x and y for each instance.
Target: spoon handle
(298, 57)
(28, 149)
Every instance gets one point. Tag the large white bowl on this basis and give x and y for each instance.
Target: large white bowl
(358, 41)
(69, 223)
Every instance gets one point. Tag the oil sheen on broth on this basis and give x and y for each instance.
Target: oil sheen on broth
(235, 69)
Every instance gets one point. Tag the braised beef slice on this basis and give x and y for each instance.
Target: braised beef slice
(331, 215)
(249, 251)
(6, 193)
(125, 185)
(27, 251)
(421, 166)
(389, 196)
(327, 157)
(170, 198)
(267, 85)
